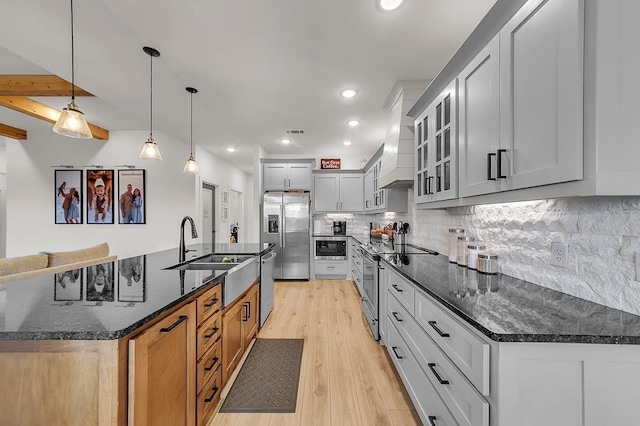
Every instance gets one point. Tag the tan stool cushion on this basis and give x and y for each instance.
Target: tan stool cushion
(15, 265)
(64, 257)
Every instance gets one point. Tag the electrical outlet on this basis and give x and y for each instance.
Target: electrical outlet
(559, 254)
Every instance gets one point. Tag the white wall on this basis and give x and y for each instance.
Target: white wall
(3, 203)
(348, 160)
(170, 194)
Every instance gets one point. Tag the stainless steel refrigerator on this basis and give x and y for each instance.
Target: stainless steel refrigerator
(286, 222)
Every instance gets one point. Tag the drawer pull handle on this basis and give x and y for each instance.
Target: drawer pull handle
(396, 288)
(395, 314)
(213, 395)
(210, 304)
(214, 330)
(433, 324)
(432, 420)
(213, 363)
(395, 352)
(174, 325)
(432, 367)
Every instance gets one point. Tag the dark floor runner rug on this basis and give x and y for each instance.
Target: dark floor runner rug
(268, 379)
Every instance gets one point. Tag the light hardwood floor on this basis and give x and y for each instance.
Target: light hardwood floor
(346, 377)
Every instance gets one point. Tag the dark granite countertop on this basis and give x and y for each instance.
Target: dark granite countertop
(508, 309)
(66, 306)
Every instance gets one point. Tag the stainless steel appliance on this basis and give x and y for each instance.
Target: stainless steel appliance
(371, 289)
(286, 223)
(339, 227)
(330, 248)
(267, 263)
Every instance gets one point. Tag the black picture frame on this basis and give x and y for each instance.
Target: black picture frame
(68, 206)
(99, 207)
(68, 285)
(132, 280)
(131, 208)
(100, 289)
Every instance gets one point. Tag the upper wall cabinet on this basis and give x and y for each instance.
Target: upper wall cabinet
(338, 192)
(376, 199)
(286, 176)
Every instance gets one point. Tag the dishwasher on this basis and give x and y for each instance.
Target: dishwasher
(267, 262)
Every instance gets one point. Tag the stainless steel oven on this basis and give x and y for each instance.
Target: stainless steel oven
(370, 294)
(330, 248)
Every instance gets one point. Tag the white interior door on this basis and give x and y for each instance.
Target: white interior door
(208, 197)
(235, 216)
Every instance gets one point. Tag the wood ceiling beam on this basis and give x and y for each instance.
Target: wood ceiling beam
(13, 132)
(37, 85)
(44, 112)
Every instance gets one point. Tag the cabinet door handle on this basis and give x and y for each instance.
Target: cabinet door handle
(432, 367)
(214, 330)
(499, 174)
(174, 325)
(214, 362)
(210, 304)
(435, 327)
(246, 312)
(432, 420)
(395, 352)
(489, 155)
(213, 395)
(395, 314)
(396, 288)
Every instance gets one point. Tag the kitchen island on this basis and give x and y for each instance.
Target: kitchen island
(70, 343)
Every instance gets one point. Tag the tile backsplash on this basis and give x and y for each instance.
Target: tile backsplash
(603, 235)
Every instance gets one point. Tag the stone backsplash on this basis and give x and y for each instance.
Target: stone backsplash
(603, 235)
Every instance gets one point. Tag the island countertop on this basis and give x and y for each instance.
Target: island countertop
(66, 306)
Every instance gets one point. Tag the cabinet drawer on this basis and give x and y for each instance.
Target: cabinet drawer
(335, 267)
(208, 303)
(464, 402)
(208, 365)
(430, 407)
(401, 289)
(209, 398)
(467, 351)
(208, 333)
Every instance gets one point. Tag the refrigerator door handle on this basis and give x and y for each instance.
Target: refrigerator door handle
(283, 227)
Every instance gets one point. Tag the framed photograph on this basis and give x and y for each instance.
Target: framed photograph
(131, 196)
(68, 285)
(100, 283)
(68, 198)
(100, 196)
(132, 284)
(224, 198)
(225, 213)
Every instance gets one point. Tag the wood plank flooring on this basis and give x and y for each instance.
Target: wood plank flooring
(346, 376)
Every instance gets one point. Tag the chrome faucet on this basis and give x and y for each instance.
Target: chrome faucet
(182, 251)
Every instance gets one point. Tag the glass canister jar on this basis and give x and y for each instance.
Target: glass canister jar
(454, 233)
(473, 250)
(462, 253)
(488, 263)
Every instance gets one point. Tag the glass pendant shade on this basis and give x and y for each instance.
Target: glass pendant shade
(150, 150)
(191, 167)
(72, 123)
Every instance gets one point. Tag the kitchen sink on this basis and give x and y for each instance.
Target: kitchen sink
(204, 266)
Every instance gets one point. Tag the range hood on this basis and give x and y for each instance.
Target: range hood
(397, 157)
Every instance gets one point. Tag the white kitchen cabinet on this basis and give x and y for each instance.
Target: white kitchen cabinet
(286, 176)
(368, 191)
(437, 149)
(338, 192)
(377, 199)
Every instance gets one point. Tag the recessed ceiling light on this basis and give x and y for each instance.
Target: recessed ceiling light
(231, 149)
(349, 93)
(285, 141)
(346, 143)
(353, 123)
(389, 4)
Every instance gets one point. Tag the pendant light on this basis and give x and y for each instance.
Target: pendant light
(150, 149)
(191, 167)
(71, 122)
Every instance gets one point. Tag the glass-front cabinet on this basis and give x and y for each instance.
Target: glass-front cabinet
(436, 149)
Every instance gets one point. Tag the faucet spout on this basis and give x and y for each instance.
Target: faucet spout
(182, 251)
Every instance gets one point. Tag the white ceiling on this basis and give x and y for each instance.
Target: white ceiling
(261, 67)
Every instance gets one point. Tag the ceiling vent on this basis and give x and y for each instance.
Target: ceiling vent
(295, 132)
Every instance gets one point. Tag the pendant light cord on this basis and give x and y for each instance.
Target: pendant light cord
(151, 101)
(73, 76)
(191, 124)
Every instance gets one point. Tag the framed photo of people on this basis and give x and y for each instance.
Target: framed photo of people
(100, 282)
(68, 196)
(68, 285)
(131, 197)
(100, 196)
(131, 279)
